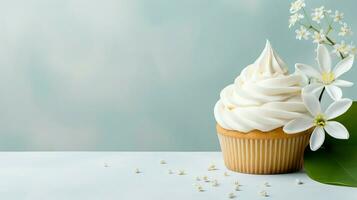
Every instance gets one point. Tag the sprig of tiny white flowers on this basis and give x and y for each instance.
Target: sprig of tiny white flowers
(320, 25)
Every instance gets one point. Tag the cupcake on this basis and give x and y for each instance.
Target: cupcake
(250, 115)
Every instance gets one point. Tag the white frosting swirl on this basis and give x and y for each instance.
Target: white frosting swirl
(263, 97)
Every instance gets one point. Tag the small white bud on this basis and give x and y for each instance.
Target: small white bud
(215, 183)
(181, 172)
(212, 167)
(198, 178)
(237, 188)
(231, 195)
(226, 174)
(200, 188)
(266, 184)
(170, 171)
(236, 183)
(162, 162)
(298, 182)
(106, 165)
(205, 178)
(263, 193)
(137, 171)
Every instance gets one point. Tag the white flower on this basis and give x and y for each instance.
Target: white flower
(297, 5)
(338, 16)
(318, 14)
(295, 18)
(341, 48)
(320, 120)
(345, 30)
(302, 33)
(319, 37)
(325, 76)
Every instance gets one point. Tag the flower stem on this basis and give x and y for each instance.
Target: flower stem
(322, 92)
(332, 43)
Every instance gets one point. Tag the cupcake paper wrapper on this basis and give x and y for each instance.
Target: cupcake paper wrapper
(257, 152)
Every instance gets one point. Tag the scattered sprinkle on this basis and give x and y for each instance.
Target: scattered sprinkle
(237, 188)
(137, 171)
(162, 162)
(170, 171)
(263, 193)
(266, 184)
(215, 183)
(205, 178)
(231, 195)
(226, 174)
(200, 188)
(181, 172)
(212, 167)
(198, 178)
(298, 182)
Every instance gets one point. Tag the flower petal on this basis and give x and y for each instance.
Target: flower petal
(313, 88)
(342, 83)
(334, 92)
(317, 138)
(337, 108)
(336, 130)
(298, 125)
(308, 70)
(323, 58)
(343, 66)
(312, 104)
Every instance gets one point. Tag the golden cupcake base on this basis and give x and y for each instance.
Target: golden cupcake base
(258, 152)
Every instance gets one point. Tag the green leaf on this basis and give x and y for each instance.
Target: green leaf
(336, 162)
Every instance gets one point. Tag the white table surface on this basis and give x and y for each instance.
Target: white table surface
(85, 176)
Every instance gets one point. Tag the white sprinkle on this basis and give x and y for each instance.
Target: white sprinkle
(200, 188)
(226, 174)
(237, 188)
(215, 183)
(266, 184)
(236, 183)
(212, 167)
(170, 171)
(205, 178)
(263, 193)
(181, 172)
(198, 178)
(162, 162)
(137, 171)
(106, 165)
(231, 195)
(298, 182)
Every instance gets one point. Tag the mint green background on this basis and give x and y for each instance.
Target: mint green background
(134, 74)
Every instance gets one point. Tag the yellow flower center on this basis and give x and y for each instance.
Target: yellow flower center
(230, 107)
(327, 78)
(320, 120)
